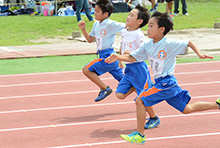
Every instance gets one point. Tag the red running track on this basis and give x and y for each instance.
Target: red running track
(57, 109)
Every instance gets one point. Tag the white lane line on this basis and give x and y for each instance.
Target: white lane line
(86, 80)
(92, 91)
(198, 63)
(76, 71)
(201, 83)
(52, 82)
(196, 72)
(40, 73)
(65, 107)
(50, 94)
(147, 139)
(84, 106)
(100, 122)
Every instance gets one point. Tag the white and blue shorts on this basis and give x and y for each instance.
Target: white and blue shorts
(136, 75)
(166, 89)
(100, 67)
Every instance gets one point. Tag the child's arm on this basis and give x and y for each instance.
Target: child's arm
(197, 51)
(120, 62)
(115, 57)
(82, 26)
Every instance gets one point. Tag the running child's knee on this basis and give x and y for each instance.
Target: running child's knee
(85, 70)
(138, 101)
(187, 110)
(120, 96)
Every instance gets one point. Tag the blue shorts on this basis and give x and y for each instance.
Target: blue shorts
(166, 89)
(136, 75)
(100, 67)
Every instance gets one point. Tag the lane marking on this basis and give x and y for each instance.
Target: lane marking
(84, 106)
(147, 139)
(65, 107)
(87, 80)
(92, 91)
(62, 72)
(52, 82)
(100, 122)
(40, 73)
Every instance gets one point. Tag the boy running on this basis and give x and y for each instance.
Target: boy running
(104, 31)
(137, 75)
(161, 52)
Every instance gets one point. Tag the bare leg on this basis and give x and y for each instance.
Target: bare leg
(170, 7)
(167, 9)
(123, 96)
(151, 111)
(153, 3)
(141, 115)
(200, 106)
(94, 78)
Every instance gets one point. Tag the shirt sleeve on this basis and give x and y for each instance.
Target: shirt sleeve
(117, 27)
(140, 54)
(92, 33)
(179, 45)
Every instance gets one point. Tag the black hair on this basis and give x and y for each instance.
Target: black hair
(143, 14)
(163, 20)
(105, 6)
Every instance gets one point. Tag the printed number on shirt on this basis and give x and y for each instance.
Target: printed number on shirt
(125, 46)
(156, 65)
(99, 43)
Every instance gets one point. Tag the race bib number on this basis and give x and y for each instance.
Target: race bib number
(99, 43)
(156, 65)
(123, 46)
(126, 46)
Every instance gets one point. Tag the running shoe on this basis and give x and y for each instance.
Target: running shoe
(155, 6)
(152, 10)
(218, 102)
(134, 137)
(171, 15)
(103, 94)
(186, 14)
(175, 14)
(152, 123)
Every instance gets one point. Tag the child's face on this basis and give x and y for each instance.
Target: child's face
(131, 20)
(99, 14)
(153, 30)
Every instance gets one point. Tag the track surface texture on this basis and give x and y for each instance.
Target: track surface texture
(57, 109)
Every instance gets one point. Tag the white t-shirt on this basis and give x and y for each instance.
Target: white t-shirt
(161, 55)
(131, 40)
(105, 32)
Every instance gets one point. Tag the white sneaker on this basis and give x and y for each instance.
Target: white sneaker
(175, 14)
(186, 14)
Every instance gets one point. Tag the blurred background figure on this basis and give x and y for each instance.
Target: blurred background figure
(169, 7)
(133, 3)
(154, 5)
(176, 7)
(83, 4)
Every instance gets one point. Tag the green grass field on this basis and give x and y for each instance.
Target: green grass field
(61, 63)
(19, 30)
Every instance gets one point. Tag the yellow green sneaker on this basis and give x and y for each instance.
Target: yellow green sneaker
(134, 137)
(218, 102)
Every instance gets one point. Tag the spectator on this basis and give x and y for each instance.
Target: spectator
(83, 4)
(184, 7)
(154, 5)
(169, 7)
(133, 3)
